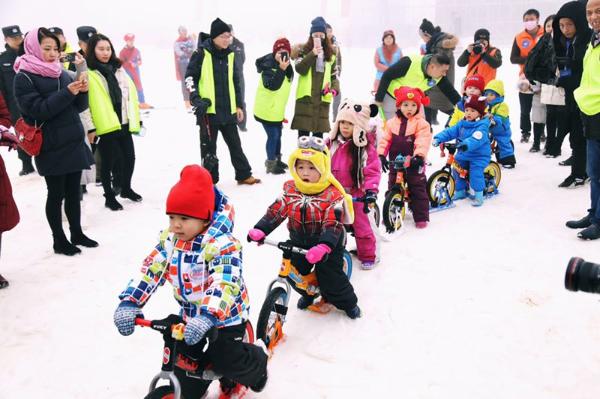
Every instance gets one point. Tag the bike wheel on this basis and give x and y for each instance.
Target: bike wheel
(163, 392)
(376, 214)
(436, 184)
(394, 210)
(493, 176)
(249, 334)
(271, 317)
(347, 266)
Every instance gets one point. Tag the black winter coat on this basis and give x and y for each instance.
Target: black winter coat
(571, 57)
(48, 101)
(223, 110)
(7, 76)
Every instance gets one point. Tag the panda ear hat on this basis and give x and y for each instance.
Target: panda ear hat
(358, 114)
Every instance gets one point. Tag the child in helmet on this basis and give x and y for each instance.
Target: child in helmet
(354, 163)
(409, 134)
(474, 86)
(473, 143)
(500, 123)
(200, 257)
(317, 208)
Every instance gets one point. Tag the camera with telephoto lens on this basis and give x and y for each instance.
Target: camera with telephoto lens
(477, 47)
(582, 276)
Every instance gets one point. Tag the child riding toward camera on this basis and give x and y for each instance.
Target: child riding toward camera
(473, 144)
(200, 257)
(473, 86)
(317, 208)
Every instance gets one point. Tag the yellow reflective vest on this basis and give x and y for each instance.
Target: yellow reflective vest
(305, 82)
(414, 77)
(587, 95)
(207, 82)
(270, 105)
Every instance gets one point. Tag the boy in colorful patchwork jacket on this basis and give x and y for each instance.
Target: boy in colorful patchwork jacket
(354, 163)
(500, 123)
(473, 143)
(409, 134)
(202, 260)
(474, 86)
(316, 207)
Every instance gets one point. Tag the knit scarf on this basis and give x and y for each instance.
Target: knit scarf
(33, 61)
(388, 52)
(114, 90)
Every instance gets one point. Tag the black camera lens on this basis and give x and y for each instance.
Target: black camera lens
(477, 48)
(582, 276)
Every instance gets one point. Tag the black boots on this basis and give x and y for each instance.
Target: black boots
(131, 195)
(305, 301)
(572, 181)
(112, 203)
(281, 163)
(590, 233)
(538, 133)
(274, 168)
(581, 223)
(83, 240)
(64, 247)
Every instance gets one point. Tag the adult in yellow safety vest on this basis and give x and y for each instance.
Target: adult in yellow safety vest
(115, 114)
(215, 94)
(272, 95)
(587, 96)
(419, 71)
(317, 81)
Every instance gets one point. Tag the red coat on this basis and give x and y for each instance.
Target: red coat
(9, 214)
(4, 113)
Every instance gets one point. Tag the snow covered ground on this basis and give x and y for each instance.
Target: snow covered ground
(472, 307)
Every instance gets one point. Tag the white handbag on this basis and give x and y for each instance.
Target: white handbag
(552, 95)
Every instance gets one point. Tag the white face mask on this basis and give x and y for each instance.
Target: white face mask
(530, 25)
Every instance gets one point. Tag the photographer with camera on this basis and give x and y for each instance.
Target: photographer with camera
(481, 58)
(271, 99)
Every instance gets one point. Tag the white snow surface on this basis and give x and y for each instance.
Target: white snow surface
(474, 306)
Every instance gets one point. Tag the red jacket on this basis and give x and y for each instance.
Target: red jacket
(4, 113)
(312, 219)
(9, 214)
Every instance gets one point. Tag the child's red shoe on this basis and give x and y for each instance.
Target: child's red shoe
(237, 391)
(421, 225)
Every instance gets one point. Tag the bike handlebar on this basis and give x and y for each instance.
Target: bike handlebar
(286, 246)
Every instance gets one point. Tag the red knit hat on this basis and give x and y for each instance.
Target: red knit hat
(475, 80)
(193, 195)
(406, 93)
(282, 44)
(477, 103)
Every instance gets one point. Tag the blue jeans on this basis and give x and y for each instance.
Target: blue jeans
(273, 140)
(593, 171)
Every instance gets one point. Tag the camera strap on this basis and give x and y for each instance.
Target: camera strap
(474, 66)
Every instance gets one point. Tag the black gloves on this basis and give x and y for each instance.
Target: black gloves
(417, 162)
(201, 106)
(385, 165)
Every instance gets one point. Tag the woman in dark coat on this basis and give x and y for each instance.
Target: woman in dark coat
(317, 82)
(48, 97)
(9, 214)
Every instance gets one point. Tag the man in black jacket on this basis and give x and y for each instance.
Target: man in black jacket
(13, 38)
(215, 94)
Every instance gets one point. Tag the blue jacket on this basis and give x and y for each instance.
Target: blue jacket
(474, 134)
(206, 273)
(499, 111)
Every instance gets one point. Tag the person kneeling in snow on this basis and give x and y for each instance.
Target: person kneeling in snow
(473, 143)
(315, 204)
(200, 257)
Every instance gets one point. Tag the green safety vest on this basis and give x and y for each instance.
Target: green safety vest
(270, 105)
(414, 77)
(103, 114)
(305, 82)
(207, 82)
(587, 95)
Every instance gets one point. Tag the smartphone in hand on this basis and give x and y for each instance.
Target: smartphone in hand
(317, 42)
(284, 56)
(69, 57)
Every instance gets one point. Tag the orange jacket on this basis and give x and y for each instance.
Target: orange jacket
(526, 43)
(417, 125)
(482, 68)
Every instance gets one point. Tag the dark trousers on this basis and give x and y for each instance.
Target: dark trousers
(417, 186)
(237, 361)
(333, 283)
(63, 187)
(569, 122)
(552, 145)
(307, 133)
(25, 159)
(273, 140)
(526, 101)
(208, 150)
(591, 126)
(112, 147)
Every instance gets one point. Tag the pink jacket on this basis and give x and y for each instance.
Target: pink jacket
(341, 164)
(417, 125)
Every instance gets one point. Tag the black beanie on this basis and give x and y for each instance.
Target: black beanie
(427, 27)
(482, 34)
(217, 27)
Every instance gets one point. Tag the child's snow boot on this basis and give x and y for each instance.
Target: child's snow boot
(305, 301)
(353, 313)
(421, 225)
(459, 194)
(477, 199)
(232, 390)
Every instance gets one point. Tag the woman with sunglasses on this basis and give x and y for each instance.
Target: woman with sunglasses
(317, 82)
(317, 207)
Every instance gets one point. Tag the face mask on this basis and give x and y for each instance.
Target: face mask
(530, 25)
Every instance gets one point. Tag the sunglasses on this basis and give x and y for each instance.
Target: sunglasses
(311, 142)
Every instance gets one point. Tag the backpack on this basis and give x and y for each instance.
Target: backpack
(541, 63)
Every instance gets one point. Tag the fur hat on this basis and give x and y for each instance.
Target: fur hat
(193, 195)
(405, 93)
(477, 103)
(475, 80)
(358, 114)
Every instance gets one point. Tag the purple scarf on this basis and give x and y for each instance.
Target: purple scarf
(32, 61)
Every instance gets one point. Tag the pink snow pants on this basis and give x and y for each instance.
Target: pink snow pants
(365, 238)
